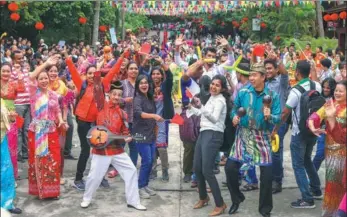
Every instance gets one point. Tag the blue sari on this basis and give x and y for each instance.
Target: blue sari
(7, 184)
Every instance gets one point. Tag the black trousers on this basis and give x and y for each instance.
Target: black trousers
(82, 130)
(206, 150)
(265, 197)
(69, 135)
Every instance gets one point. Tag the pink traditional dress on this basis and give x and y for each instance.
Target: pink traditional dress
(44, 148)
(8, 94)
(66, 98)
(335, 158)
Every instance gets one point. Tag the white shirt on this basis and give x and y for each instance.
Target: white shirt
(213, 114)
(293, 102)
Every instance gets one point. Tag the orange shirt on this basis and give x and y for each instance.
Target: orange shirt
(112, 117)
(86, 109)
(305, 54)
(318, 58)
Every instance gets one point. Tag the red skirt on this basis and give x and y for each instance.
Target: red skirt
(44, 172)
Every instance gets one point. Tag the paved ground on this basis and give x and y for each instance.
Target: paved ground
(174, 199)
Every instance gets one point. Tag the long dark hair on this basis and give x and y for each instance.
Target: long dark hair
(137, 85)
(332, 85)
(224, 92)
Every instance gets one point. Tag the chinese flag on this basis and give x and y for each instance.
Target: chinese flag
(177, 119)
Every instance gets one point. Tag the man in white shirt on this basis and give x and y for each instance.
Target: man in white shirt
(300, 147)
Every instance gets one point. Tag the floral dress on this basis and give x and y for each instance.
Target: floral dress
(335, 159)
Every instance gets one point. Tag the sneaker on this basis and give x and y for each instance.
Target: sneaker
(317, 196)
(150, 191)
(79, 185)
(85, 204)
(301, 204)
(104, 183)
(139, 207)
(165, 177)
(143, 194)
(187, 178)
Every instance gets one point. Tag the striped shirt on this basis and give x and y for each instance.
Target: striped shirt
(22, 98)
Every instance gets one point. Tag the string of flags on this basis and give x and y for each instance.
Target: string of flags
(174, 8)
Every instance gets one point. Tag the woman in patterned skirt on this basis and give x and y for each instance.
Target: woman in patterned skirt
(334, 112)
(44, 147)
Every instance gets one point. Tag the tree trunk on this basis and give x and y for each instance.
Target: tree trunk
(96, 23)
(123, 23)
(319, 19)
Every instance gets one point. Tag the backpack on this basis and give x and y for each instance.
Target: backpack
(310, 102)
(189, 131)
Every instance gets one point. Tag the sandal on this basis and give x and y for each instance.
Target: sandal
(250, 187)
(113, 173)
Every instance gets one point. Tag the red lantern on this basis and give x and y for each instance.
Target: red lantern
(278, 38)
(82, 20)
(245, 19)
(263, 25)
(39, 26)
(343, 15)
(15, 17)
(103, 28)
(234, 22)
(2, 3)
(12, 6)
(334, 17)
(327, 18)
(222, 24)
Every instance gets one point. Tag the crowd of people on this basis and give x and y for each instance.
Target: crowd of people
(236, 97)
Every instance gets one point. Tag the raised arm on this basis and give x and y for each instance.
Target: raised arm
(49, 62)
(76, 78)
(113, 72)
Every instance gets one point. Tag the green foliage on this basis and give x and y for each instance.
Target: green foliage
(326, 43)
(61, 20)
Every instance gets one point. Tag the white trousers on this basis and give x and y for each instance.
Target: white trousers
(123, 165)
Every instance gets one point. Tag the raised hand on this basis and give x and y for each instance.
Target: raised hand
(223, 41)
(179, 41)
(330, 109)
(53, 60)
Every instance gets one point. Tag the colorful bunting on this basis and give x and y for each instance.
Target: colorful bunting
(177, 8)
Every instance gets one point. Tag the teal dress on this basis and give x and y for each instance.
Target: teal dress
(7, 185)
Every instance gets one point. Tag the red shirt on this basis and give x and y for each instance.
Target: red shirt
(112, 117)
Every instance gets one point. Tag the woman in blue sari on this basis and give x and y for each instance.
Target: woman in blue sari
(7, 184)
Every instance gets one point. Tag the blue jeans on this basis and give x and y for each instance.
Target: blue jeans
(319, 157)
(133, 153)
(301, 150)
(147, 153)
(277, 158)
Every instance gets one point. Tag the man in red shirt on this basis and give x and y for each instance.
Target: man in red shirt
(113, 118)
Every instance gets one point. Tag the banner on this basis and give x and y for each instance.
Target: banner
(113, 35)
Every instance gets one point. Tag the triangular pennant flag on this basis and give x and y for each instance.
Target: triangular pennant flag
(177, 119)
